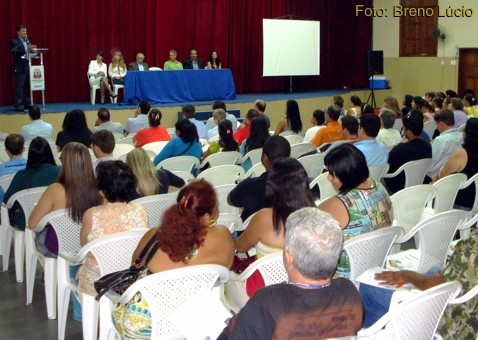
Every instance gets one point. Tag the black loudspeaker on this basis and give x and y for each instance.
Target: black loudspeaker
(374, 62)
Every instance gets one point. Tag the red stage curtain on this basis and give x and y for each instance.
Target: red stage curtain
(75, 30)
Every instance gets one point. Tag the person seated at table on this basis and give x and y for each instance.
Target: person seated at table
(98, 77)
(218, 116)
(149, 180)
(154, 133)
(117, 184)
(187, 143)
(139, 64)
(74, 129)
(193, 62)
(361, 204)
(187, 236)
(117, 69)
(213, 61)
(226, 140)
(172, 63)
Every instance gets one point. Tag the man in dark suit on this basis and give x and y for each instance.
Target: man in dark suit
(138, 65)
(21, 49)
(193, 62)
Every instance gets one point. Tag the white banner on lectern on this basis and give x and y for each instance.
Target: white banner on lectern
(37, 76)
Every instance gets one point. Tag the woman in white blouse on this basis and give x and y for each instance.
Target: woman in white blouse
(97, 76)
(117, 69)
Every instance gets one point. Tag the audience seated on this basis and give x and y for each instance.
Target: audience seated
(241, 134)
(449, 140)
(41, 170)
(338, 101)
(464, 160)
(259, 133)
(149, 180)
(362, 204)
(117, 185)
(249, 194)
(102, 144)
(413, 148)
(75, 190)
(437, 103)
(318, 122)
(37, 127)
(469, 102)
(355, 110)
(14, 147)
(219, 104)
(189, 112)
(187, 143)
(260, 106)
(104, 123)
(74, 129)
(375, 152)
(350, 126)
(456, 105)
(140, 120)
(139, 64)
(391, 103)
(226, 140)
(218, 115)
(188, 236)
(387, 135)
(458, 321)
(291, 121)
(332, 131)
(154, 133)
(311, 299)
(407, 104)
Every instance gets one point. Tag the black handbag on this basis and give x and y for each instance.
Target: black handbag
(121, 280)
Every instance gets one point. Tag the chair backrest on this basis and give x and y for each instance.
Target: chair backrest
(397, 125)
(297, 150)
(415, 171)
(434, 236)
(473, 181)
(370, 249)
(27, 199)
(313, 164)
(254, 155)
(155, 206)
(376, 172)
(179, 163)
(5, 181)
(221, 158)
(416, 318)
(294, 139)
(430, 127)
(127, 140)
(122, 149)
(409, 204)
(222, 193)
(222, 174)
(232, 221)
(271, 268)
(168, 290)
(325, 187)
(185, 175)
(447, 189)
(255, 171)
(335, 144)
(156, 147)
(67, 230)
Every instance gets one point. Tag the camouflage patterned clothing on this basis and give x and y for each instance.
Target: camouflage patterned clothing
(460, 321)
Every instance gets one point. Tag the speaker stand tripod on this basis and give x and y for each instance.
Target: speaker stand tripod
(371, 96)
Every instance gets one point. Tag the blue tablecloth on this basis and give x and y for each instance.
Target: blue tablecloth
(161, 87)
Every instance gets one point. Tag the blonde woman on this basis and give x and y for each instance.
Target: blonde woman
(391, 103)
(150, 180)
(117, 69)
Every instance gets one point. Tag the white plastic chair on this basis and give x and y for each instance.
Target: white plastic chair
(185, 175)
(414, 319)
(232, 221)
(222, 174)
(285, 133)
(155, 68)
(179, 163)
(294, 139)
(122, 149)
(222, 192)
(447, 189)
(433, 237)
(165, 292)
(27, 199)
(156, 147)
(171, 132)
(325, 187)
(221, 158)
(68, 234)
(127, 140)
(94, 86)
(415, 171)
(155, 206)
(313, 164)
(409, 205)
(271, 267)
(377, 172)
(333, 145)
(255, 171)
(472, 181)
(116, 88)
(398, 124)
(112, 253)
(5, 181)
(430, 127)
(297, 150)
(254, 155)
(370, 249)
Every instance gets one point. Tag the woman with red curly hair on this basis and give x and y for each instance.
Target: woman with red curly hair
(187, 236)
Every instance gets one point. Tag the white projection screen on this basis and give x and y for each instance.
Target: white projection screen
(291, 47)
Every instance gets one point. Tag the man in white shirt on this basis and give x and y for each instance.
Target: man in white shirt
(387, 134)
(104, 123)
(317, 121)
(140, 120)
(219, 104)
(449, 140)
(189, 112)
(37, 127)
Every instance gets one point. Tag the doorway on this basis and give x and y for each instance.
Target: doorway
(467, 70)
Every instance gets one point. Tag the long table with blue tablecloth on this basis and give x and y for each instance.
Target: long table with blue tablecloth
(162, 87)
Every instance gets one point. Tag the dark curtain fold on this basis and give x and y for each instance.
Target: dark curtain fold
(74, 30)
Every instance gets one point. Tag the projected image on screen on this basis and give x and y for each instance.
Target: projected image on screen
(291, 47)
